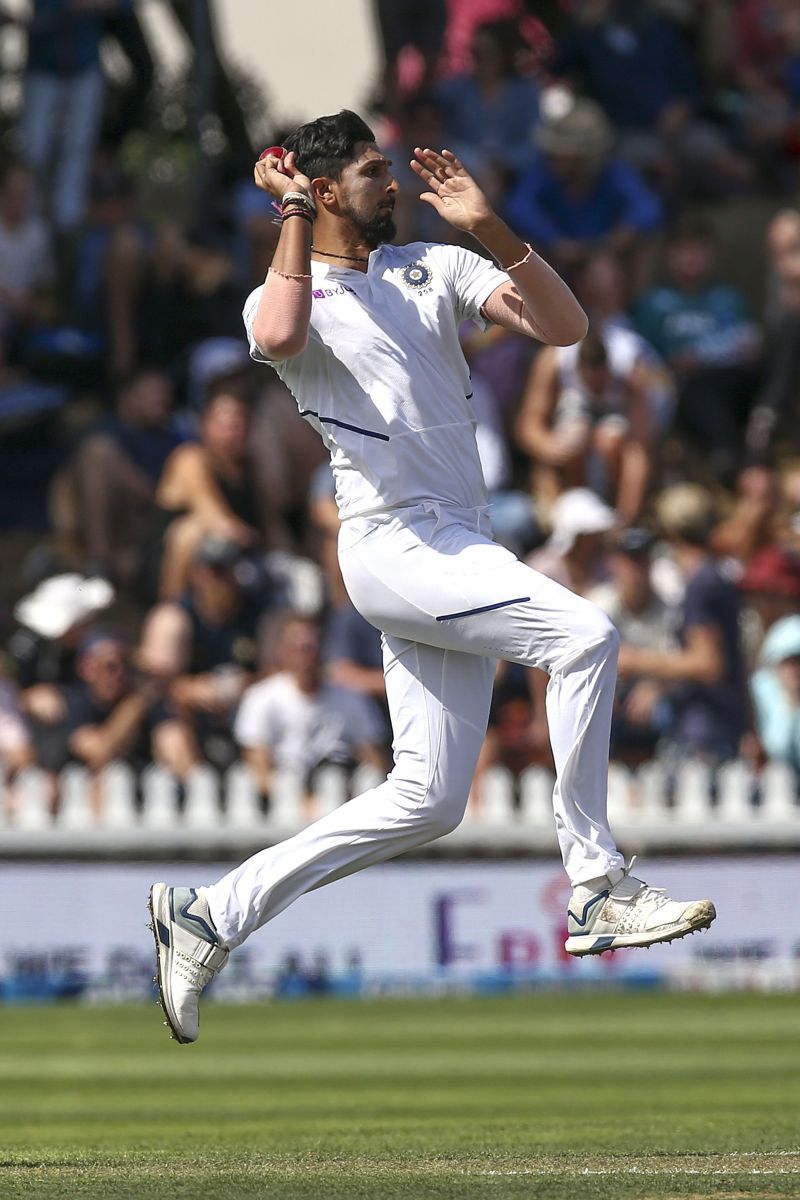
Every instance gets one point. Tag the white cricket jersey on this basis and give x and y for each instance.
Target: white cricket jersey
(384, 379)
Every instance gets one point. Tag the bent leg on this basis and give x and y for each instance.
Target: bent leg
(439, 704)
(450, 585)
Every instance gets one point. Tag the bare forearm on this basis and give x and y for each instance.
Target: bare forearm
(546, 307)
(101, 744)
(281, 323)
(633, 480)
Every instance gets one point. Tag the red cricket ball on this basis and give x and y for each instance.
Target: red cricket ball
(278, 152)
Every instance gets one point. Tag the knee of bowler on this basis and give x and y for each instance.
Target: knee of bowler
(599, 633)
(438, 812)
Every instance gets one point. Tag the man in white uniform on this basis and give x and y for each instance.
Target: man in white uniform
(365, 334)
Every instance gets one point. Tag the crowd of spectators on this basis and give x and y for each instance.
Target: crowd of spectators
(177, 598)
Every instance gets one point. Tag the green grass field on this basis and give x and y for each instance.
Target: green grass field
(562, 1096)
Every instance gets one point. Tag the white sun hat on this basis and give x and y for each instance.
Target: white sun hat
(60, 603)
(577, 511)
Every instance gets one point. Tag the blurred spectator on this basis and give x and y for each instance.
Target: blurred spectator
(775, 415)
(108, 715)
(767, 75)
(16, 745)
(106, 497)
(705, 676)
(190, 294)
(602, 289)
(217, 486)
(577, 196)
(63, 102)
(642, 711)
(410, 25)
(110, 262)
(753, 521)
(351, 651)
(26, 263)
(775, 689)
(770, 590)
(574, 555)
(295, 721)
(585, 419)
(53, 620)
(637, 66)
(702, 328)
(464, 18)
(204, 645)
(420, 123)
(493, 108)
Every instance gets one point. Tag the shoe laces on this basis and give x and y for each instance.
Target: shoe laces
(657, 897)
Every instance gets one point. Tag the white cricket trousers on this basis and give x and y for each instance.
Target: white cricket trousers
(449, 602)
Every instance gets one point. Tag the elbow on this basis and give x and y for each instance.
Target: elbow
(277, 348)
(572, 330)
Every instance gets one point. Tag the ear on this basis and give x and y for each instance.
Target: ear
(324, 191)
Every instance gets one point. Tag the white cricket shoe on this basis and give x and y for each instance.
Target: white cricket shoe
(189, 955)
(629, 913)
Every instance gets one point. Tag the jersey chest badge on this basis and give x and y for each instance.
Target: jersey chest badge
(416, 277)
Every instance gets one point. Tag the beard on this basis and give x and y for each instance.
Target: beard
(376, 229)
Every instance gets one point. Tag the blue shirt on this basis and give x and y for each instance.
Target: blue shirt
(541, 209)
(711, 323)
(501, 127)
(634, 70)
(712, 717)
(63, 41)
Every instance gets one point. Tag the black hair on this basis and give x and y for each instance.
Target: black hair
(325, 146)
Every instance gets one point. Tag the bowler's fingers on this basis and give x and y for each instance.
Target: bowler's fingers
(454, 162)
(426, 175)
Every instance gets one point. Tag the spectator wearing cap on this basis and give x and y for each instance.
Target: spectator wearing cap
(204, 645)
(577, 196)
(775, 689)
(705, 674)
(106, 497)
(296, 721)
(108, 715)
(216, 486)
(645, 621)
(575, 553)
(585, 418)
(53, 619)
(702, 329)
(574, 556)
(638, 66)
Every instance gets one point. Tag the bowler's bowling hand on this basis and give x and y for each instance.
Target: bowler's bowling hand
(279, 174)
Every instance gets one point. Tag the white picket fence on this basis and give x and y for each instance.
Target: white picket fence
(649, 808)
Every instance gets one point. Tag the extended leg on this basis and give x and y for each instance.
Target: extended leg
(439, 704)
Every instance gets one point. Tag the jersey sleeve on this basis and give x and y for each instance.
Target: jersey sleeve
(473, 279)
(249, 316)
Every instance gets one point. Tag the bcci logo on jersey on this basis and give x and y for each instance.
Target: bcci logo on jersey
(416, 276)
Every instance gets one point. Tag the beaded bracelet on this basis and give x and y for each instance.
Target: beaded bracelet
(286, 274)
(298, 212)
(300, 198)
(520, 262)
